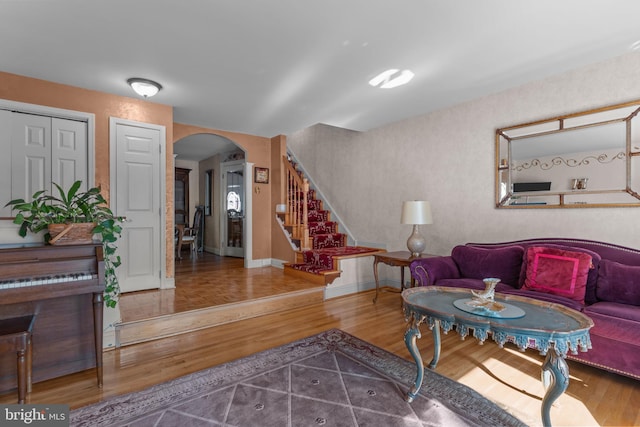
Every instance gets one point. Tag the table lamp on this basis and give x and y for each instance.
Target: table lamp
(416, 213)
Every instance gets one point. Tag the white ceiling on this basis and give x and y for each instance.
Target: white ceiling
(275, 67)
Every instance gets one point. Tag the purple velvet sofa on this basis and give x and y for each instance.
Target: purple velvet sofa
(603, 283)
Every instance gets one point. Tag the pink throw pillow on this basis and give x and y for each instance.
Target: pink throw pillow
(556, 271)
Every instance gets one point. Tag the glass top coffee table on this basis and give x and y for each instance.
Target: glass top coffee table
(552, 329)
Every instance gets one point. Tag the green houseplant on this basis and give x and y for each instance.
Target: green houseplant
(74, 207)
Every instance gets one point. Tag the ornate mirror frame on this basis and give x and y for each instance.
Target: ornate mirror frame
(585, 159)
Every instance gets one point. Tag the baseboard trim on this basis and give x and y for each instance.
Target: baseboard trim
(278, 263)
(256, 263)
(168, 283)
(340, 290)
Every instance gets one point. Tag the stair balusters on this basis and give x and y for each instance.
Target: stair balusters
(297, 209)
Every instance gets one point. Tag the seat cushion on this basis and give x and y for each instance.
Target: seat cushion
(615, 341)
(615, 310)
(481, 263)
(541, 296)
(557, 271)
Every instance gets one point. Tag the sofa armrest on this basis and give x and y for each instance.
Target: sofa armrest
(427, 271)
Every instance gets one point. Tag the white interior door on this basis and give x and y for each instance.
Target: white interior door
(137, 178)
(30, 155)
(45, 150)
(5, 162)
(69, 153)
(233, 209)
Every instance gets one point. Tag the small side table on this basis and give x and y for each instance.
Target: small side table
(400, 259)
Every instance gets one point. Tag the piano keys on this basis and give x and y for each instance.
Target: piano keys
(47, 280)
(63, 286)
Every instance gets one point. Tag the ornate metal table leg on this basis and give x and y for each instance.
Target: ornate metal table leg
(410, 337)
(436, 345)
(555, 379)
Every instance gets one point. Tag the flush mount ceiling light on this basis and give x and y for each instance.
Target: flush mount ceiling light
(144, 87)
(391, 78)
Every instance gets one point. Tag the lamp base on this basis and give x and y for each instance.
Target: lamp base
(416, 243)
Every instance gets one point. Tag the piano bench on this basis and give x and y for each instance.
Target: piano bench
(15, 336)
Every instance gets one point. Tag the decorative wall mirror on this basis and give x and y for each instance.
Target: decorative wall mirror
(586, 159)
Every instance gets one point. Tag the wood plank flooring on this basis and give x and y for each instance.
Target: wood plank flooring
(208, 281)
(506, 376)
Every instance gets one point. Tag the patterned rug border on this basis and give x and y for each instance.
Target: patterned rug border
(456, 396)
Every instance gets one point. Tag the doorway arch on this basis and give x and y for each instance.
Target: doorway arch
(263, 152)
(205, 157)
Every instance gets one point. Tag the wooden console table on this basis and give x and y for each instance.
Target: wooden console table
(400, 259)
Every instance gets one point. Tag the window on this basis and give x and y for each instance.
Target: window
(233, 202)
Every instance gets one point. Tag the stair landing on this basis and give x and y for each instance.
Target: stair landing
(326, 277)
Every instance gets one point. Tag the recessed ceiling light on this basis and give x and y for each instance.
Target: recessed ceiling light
(144, 87)
(391, 78)
(635, 45)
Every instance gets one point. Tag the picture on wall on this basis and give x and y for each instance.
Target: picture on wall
(261, 175)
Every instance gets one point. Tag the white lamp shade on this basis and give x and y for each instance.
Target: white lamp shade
(416, 212)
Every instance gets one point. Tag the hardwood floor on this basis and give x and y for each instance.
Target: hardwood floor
(506, 376)
(207, 281)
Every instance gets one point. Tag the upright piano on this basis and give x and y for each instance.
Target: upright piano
(63, 286)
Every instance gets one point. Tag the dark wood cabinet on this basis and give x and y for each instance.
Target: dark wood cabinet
(181, 196)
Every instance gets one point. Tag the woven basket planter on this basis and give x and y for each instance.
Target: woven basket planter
(72, 233)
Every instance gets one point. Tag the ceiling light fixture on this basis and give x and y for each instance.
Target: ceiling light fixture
(144, 87)
(391, 78)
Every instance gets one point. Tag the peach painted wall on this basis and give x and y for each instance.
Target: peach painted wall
(103, 106)
(257, 151)
(280, 247)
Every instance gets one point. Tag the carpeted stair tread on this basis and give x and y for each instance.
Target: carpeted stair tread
(310, 268)
(318, 216)
(325, 241)
(322, 227)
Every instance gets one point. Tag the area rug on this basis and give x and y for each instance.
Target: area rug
(329, 379)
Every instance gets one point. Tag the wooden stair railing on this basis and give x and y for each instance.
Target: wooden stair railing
(297, 209)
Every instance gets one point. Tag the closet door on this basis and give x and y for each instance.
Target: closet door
(46, 150)
(30, 155)
(69, 152)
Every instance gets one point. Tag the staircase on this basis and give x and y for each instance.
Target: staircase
(321, 245)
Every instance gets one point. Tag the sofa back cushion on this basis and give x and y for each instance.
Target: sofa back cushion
(618, 283)
(480, 263)
(557, 271)
(592, 276)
